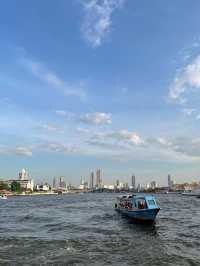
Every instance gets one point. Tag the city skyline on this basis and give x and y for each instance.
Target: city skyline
(99, 181)
(110, 85)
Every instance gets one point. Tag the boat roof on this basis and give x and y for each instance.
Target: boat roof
(147, 197)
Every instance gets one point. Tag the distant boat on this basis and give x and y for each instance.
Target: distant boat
(195, 193)
(139, 208)
(3, 197)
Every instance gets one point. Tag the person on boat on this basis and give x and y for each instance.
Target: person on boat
(141, 205)
(130, 205)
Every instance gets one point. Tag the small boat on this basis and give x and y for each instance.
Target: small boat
(195, 193)
(138, 207)
(3, 197)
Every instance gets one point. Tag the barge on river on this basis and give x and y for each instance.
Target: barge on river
(138, 207)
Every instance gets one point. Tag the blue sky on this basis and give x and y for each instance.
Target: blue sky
(110, 84)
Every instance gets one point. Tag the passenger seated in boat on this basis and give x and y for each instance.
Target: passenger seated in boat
(122, 204)
(130, 205)
(141, 205)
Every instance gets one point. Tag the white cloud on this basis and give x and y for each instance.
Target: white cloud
(52, 128)
(57, 147)
(65, 114)
(188, 111)
(131, 137)
(128, 144)
(185, 81)
(183, 146)
(18, 150)
(82, 130)
(23, 151)
(97, 19)
(122, 136)
(43, 147)
(41, 72)
(97, 118)
(61, 112)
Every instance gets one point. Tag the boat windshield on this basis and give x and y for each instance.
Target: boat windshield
(151, 202)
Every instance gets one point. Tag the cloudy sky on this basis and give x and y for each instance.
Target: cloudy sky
(110, 84)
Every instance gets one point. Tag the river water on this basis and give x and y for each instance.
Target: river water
(85, 230)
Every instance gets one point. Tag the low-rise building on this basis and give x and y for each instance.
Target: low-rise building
(44, 187)
(25, 184)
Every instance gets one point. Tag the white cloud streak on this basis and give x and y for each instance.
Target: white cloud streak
(41, 72)
(66, 114)
(57, 147)
(186, 81)
(126, 142)
(46, 147)
(52, 128)
(121, 137)
(188, 111)
(96, 118)
(129, 145)
(97, 19)
(23, 151)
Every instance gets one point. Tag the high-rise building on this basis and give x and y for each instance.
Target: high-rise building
(92, 180)
(98, 178)
(117, 182)
(54, 182)
(133, 184)
(61, 183)
(139, 187)
(170, 182)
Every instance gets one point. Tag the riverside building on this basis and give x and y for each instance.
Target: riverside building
(25, 182)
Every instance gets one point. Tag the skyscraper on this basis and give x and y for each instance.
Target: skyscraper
(98, 178)
(133, 182)
(54, 182)
(117, 182)
(92, 180)
(62, 183)
(170, 182)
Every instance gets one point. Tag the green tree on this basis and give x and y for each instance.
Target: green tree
(15, 186)
(4, 186)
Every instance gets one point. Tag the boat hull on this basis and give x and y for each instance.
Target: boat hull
(146, 215)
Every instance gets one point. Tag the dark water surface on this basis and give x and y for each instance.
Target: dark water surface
(85, 230)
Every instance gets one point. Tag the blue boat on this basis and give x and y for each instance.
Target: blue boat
(138, 207)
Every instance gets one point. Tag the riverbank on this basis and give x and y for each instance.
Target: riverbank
(11, 194)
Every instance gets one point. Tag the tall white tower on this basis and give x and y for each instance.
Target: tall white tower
(23, 175)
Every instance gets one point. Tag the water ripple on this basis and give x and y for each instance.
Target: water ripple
(85, 230)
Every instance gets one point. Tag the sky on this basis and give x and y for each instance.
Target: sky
(109, 84)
